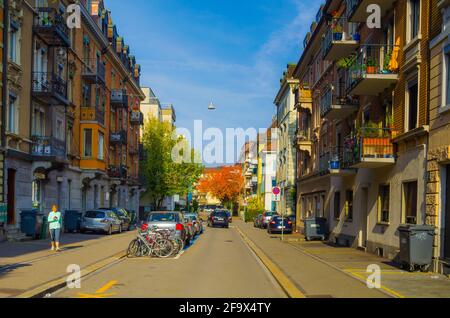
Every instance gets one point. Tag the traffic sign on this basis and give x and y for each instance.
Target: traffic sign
(276, 191)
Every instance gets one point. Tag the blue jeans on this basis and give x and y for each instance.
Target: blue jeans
(55, 234)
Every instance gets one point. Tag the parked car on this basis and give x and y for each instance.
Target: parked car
(172, 221)
(198, 224)
(278, 224)
(218, 218)
(123, 215)
(100, 221)
(266, 218)
(230, 216)
(257, 221)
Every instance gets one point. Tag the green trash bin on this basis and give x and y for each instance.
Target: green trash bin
(28, 222)
(44, 229)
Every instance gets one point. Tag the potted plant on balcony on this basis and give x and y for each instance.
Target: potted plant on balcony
(387, 62)
(337, 32)
(371, 65)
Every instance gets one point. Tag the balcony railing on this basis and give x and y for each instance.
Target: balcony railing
(357, 9)
(94, 71)
(92, 114)
(118, 138)
(303, 141)
(48, 147)
(119, 98)
(50, 25)
(338, 42)
(137, 118)
(118, 172)
(374, 69)
(369, 148)
(332, 162)
(50, 88)
(335, 104)
(303, 99)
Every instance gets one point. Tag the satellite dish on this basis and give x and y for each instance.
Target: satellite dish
(211, 106)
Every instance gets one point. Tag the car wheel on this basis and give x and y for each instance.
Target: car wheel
(110, 230)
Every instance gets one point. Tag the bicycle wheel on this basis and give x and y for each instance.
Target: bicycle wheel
(163, 248)
(133, 248)
(178, 245)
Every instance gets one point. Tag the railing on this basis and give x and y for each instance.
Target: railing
(332, 159)
(369, 143)
(49, 19)
(373, 59)
(94, 67)
(338, 30)
(335, 95)
(48, 147)
(92, 114)
(49, 83)
(119, 98)
(118, 137)
(303, 95)
(117, 172)
(303, 135)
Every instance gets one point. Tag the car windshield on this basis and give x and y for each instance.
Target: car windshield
(94, 215)
(271, 213)
(163, 217)
(220, 214)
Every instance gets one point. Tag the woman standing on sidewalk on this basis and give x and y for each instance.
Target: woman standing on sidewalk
(54, 220)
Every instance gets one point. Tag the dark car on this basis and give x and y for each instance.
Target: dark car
(276, 225)
(230, 216)
(123, 215)
(219, 218)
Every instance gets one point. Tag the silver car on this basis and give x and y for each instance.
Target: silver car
(101, 221)
(173, 221)
(196, 222)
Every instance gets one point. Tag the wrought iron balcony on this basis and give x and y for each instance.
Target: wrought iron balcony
(332, 162)
(48, 148)
(137, 118)
(118, 172)
(51, 26)
(357, 9)
(119, 98)
(94, 71)
(303, 99)
(118, 138)
(50, 88)
(92, 114)
(369, 148)
(338, 42)
(375, 68)
(335, 104)
(304, 142)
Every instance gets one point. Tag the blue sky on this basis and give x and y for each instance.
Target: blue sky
(230, 52)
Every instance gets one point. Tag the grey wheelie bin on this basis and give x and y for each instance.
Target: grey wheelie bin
(316, 228)
(416, 246)
(72, 221)
(28, 222)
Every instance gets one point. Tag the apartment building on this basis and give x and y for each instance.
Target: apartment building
(438, 181)
(73, 111)
(267, 168)
(3, 64)
(249, 161)
(367, 127)
(287, 153)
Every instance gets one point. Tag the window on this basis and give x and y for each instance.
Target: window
(349, 206)
(412, 104)
(59, 129)
(87, 143)
(410, 202)
(446, 77)
(101, 146)
(13, 114)
(38, 122)
(337, 205)
(13, 40)
(414, 19)
(69, 139)
(383, 203)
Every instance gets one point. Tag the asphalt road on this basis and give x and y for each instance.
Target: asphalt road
(218, 265)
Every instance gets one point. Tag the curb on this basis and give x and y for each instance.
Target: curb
(54, 285)
(286, 284)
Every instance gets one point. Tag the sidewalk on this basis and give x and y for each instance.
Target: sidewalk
(322, 270)
(26, 265)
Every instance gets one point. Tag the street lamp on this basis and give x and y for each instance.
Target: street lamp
(211, 106)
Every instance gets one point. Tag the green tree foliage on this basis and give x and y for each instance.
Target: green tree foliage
(254, 208)
(170, 166)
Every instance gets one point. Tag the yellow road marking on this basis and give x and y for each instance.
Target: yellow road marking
(390, 291)
(101, 292)
(94, 296)
(291, 290)
(106, 287)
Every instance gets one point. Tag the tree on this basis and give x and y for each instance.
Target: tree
(254, 207)
(224, 183)
(164, 174)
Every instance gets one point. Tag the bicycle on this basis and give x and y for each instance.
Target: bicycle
(150, 243)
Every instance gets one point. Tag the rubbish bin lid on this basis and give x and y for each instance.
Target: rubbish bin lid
(416, 228)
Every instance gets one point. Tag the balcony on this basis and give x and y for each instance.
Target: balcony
(119, 98)
(49, 88)
(48, 149)
(375, 68)
(304, 142)
(357, 9)
(94, 71)
(92, 114)
(369, 148)
(118, 172)
(332, 163)
(337, 43)
(335, 105)
(118, 138)
(303, 99)
(137, 118)
(50, 25)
